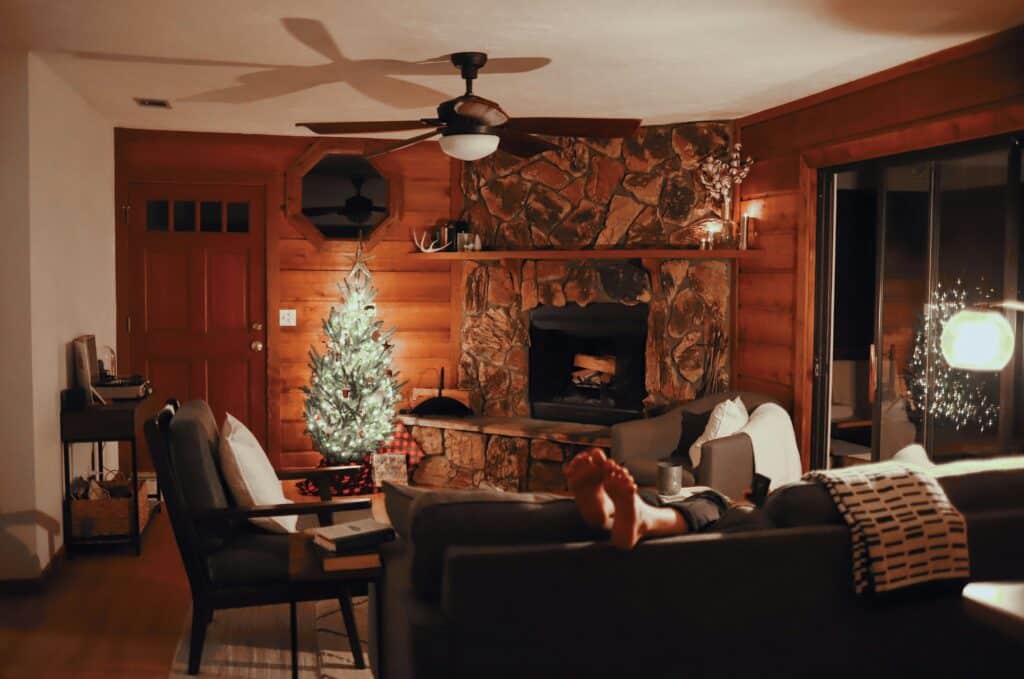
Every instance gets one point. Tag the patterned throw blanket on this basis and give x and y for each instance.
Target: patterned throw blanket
(903, 528)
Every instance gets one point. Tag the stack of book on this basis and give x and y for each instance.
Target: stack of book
(352, 545)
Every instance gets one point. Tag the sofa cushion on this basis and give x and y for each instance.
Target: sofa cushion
(973, 486)
(398, 499)
(445, 518)
(694, 424)
(983, 485)
(727, 418)
(804, 503)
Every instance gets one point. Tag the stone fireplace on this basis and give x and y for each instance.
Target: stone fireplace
(662, 320)
(685, 329)
(587, 362)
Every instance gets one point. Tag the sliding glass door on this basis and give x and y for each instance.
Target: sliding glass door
(904, 243)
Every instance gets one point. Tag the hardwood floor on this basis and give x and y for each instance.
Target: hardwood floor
(105, 614)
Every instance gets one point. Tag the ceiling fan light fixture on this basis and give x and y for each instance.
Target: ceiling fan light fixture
(473, 146)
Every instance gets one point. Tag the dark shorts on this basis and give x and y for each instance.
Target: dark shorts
(700, 511)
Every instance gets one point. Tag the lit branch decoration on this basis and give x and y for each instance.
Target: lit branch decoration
(719, 173)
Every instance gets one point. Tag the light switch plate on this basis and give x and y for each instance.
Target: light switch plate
(286, 318)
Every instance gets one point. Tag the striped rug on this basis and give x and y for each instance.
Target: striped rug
(253, 643)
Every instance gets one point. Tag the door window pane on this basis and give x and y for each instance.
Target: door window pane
(210, 217)
(157, 215)
(972, 259)
(238, 217)
(184, 215)
(900, 401)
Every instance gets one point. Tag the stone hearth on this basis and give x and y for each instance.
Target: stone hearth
(512, 453)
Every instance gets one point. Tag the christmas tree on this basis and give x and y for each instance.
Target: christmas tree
(350, 403)
(949, 395)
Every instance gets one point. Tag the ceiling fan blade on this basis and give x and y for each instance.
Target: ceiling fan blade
(320, 211)
(313, 35)
(378, 208)
(401, 144)
(442, 65)
(366, 126)
(486, 111)
(576, 127)
(523, 145)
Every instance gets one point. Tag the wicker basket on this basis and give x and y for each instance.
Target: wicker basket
(112, 516)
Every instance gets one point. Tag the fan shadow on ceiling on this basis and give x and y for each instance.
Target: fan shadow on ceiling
(379, 79)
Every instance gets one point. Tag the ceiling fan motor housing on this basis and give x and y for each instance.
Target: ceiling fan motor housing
(469, 63)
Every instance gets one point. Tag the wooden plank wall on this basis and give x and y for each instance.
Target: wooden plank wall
(415, 295)
(970, 91)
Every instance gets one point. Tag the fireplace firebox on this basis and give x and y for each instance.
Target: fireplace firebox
(587, 363)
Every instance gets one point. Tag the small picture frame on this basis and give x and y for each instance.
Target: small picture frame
(390, 467)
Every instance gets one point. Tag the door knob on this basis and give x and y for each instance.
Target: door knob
(257, 326)
(256, 346)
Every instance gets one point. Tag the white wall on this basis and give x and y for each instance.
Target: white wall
(67, 246)
(18, 518)
(71, 203)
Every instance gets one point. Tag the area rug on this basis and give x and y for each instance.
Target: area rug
(253, 643)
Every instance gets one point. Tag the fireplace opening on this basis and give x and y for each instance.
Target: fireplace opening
(587, 363)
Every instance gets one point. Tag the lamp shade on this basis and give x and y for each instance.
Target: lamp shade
(469, 146)
(977, 340)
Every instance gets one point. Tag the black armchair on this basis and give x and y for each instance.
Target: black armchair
(229, 562)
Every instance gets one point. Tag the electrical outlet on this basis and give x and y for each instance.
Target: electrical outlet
(286, 318)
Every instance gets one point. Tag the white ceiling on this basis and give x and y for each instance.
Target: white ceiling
(236, 66)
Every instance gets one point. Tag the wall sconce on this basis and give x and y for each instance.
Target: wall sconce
(979, 338)
(746, 228)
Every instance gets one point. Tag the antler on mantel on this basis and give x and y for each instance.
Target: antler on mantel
(421, 243)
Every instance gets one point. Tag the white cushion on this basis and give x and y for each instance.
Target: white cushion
(726, 419)
(250, 476)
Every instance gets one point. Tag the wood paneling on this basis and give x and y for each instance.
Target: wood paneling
(415, 293)
(971, 91)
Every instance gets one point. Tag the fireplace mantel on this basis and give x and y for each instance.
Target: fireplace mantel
(592, 253)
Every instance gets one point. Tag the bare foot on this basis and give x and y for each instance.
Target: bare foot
(585, 474)
(628, 524)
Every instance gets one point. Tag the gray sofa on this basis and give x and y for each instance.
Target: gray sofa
(727, 464)
(513, 585)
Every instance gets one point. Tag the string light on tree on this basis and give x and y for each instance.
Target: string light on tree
(353, 392)
(948, 395)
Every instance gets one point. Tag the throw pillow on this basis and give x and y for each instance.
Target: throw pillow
(693, 425)
(250, 476)
(726, 419)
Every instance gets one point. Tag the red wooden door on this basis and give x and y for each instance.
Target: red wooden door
(198, 299)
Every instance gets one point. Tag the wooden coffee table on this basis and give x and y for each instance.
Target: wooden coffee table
(997, 604)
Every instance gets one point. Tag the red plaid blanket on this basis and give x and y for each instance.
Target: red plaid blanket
(362, 483)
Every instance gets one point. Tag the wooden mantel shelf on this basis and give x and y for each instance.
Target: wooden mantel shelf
(618, 253)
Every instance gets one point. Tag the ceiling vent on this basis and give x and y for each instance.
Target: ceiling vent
(152, 103)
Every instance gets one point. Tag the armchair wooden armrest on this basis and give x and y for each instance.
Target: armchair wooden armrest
(292, 473)
(287, 509)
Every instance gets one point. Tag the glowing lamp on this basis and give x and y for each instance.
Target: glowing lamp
(977, 340)
(469, 146)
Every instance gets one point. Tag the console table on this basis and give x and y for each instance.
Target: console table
(96, 423)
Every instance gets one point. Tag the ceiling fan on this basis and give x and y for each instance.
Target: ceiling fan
(472, 127)
(357, 208)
